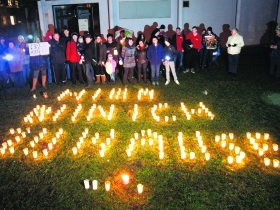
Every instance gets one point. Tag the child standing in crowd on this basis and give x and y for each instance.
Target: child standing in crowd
(169, 55)
(110, 67)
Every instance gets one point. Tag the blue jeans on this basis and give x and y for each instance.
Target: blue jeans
(68, 72)
(155, 72)
(113, 76)
(49, 70)
(232, 63)
(18, 79)
(179, 56)
(25, 73)
(89, 71)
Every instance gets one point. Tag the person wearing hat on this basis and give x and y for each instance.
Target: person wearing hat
(234, 44)
(160, 34)
(73, 56)
(274, 69)
(211, 44)
(169, 55)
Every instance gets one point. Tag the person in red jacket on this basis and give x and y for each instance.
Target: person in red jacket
(191, 46)
(73, 57)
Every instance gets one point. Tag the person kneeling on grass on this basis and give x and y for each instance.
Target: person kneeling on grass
(169, 54)
(110, 67)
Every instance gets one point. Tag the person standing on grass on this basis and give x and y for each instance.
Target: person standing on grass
(169, 55)
(128, 54)
(234, 44)
(274, 69)
(100, 58)
(141, 60)
(191, 47)
(177, 42)
(37, 64)
(155, 55)
(110, 67)
(88, 55)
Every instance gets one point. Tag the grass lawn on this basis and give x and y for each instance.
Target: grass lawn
(241, 104)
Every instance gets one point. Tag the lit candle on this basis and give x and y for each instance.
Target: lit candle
(25, 151)
(97, 135)
(183, 155)
(197, 133)
(75, 150)
(230, 159)
(261, 152)
(275, 147)
(143, 141)
(60, 130)
(258, 135)
(231, 146)
(256, 146)
(54, 140)
(166, 118)
(217, 138)
(230, 136)
(252, 140)
(207, 156)
(128, 152)
(174, 118)
(32, 143)
(28, 129)
(161, 155)
(50, 146)
(44, 130)
(23, 134)
(151, 141)
(86, 183)
(12, 150)
(266, 136)
(155, 135)
(266, 161)
(237, 150)
(12, 131)
(35, 154)
(41, 135)
(19, 130)
(136, 135)
(94, 184)
(275, 163)
(223, 143)
(2, 150)
(224, 136)
(107, 185)
(265, 147)
(112, 133)
(108, 141)
(203, 149)
(125, 178)
(101, 152)
(4, 145)
(140, 188)
(192, 155)
(93, 139)
(45, 152)
(242, 155)
(238, 159)
(10, 142)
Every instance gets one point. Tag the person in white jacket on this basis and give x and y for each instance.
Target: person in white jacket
(234, 44)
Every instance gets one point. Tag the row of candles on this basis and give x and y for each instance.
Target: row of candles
(63, 94)
(96, 94)
(125, 179)
(94, 139)
(77, 110)
(81, 93)
(39, 112)
(110, 114)
(59, 112)
(202, 108)
(117, 95)
(145, 93)
(159, 107)
(135, 112)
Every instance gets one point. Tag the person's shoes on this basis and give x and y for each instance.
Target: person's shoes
(88, 86)
(186, 71)
(157, 83)
(192, 71)
(167, 82)
(153, 83)
(177, 82)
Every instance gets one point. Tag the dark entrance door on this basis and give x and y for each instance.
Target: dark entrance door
(77, 17)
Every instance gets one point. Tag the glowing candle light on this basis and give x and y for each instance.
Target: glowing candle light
(35, 154)
(136, 135)
(50, 146)
(223, 143)
(192, 111)
(93, 139)
(166, 118)
(128, 152)
(94, 184)
(238, 159)
(19, 130)
(125, 178)
(108, 141)
(197, 133)
(266, 136)
(86, 183)
(12, 150)
(2, 150)
(23, 134)
(4, 145)
(57, 135)
(207, 156)
(161, 155)
(183, 155)
(231, 146)
(231, 136)
(203, 149)
(60, 130)
(101, 152)
(44, 130)
(237, 150)
(266, 161)
(12, 131)
(275, 147)
(84, 134)
(41, 135)
(45, 152)
(132, 141)
(192, 155)
(151, 142)
(258, 135)
(174, 118)
(261, 152)
(252, 140)
(265, 147)
(165, 105)
(140, 188)
(112, 133)
(107, 185)
(242, 155)
(54, 140)
(97, 135)
(224, 136)
(10, 142)
(25, 151)
(143, 141)
(32, 143)
(275, 163)
(217, 138)
(149, 132)
(256, 146)
(130, 146)
(74, 150)
(230, 159)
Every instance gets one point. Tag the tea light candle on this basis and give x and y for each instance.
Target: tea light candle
(44, 130)
(50, 146)
(237, 150)
(223, 143)
(57, 135)
(54, 140)
(197, 133)
(19, 130)
(265, 147)
(140, 188)
(86, 183)
(151, 142)
(12, 131)
(10, 142)
(230, 136)
(75, 150)
(238, 159)
(261, 152)
(41, 135)
(125, 178)
(192, 155)
(266, 136)
(94, 184)
(230, 159)
(258, 135)
(217, 138)
(101, 152)
(275, 147)
(203, 149)
(35, 154)
(174, 118)
(149, 132)
(45, 152)
(12, 150)
(28, 129)
(128, 152)
(60, 130)
(183, 155)
(4, 145)
(136, 135)
(107, 185)
(23, 134)
(25, 151)
(256, 146)
(207, 156)
(2, 151)
(242, 155)
(224, 136)
(112, 133)
(266, 161)
(161, 155)
(275, 163)
(231, 146)
(166, 118)
(143, 141)
(252, 140)
(108, 141)
(32, 143)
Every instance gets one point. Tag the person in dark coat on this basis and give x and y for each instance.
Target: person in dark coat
(274, 69)
(57, 55)
(128, 53)
(88, 54)
(37, 64)
(142, 60)
(100, 58)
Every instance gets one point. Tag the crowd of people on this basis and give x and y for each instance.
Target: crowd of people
(88, 59)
